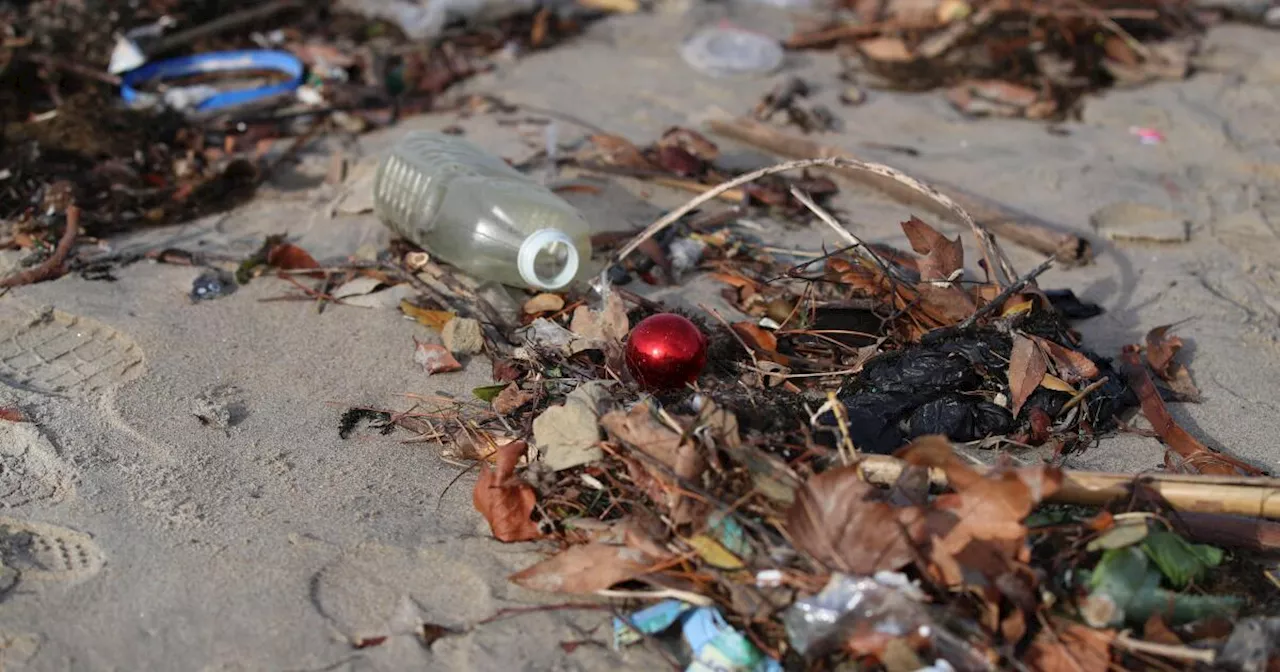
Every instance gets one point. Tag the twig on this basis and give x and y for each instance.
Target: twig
(1082, 394)
(51, 267)
(1009, 291)
(508, 612)
(1206, 656)
(853, 241)
(983, 236)
(50, 61)
(993, 217)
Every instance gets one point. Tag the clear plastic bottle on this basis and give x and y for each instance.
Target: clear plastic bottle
(474, 211)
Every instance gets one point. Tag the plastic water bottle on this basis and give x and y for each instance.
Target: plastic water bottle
(474, 211)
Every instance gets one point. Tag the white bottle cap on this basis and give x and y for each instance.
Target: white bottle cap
(537, 242)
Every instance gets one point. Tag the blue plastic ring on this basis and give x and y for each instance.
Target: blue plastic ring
(219, 61)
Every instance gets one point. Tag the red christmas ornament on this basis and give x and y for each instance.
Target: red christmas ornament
(666, 351)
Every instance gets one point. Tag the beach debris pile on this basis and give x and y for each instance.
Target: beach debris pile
(158, 113)
(1009, 59)
(863, 466)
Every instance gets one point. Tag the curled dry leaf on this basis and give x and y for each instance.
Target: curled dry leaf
(1027, 368)
(504, 499)
(838, 519)
(619, 151)
(433, 319)
(290, 257)
(609, 324)
(690, 141)
(978, 529)
(1071, 647)
(640, 430)
(511, 398)
(544, 303)
(1162, 348)
(1195, 457)
(759, 338)
(585, 569)
(942, 257)
(1072, 366)
(434, 358)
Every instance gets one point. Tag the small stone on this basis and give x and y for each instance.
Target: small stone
(1138, 222)
(462, 335)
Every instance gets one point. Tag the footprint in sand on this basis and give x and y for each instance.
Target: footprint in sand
(376, 591)
(53, 352)
(38, 552)
(30, 469)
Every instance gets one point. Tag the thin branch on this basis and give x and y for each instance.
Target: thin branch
(1205, 656)
(53, 266)
(830, 220)
(1009, 291)
(985, 240)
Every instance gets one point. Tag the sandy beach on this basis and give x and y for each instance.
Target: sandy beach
(258, 539)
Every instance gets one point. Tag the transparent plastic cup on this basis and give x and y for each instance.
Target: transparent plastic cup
(472, 210)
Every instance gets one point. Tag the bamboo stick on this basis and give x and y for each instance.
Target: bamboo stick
(1242, 496)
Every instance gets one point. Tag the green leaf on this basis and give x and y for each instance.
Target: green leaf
(1180, 561)
(487, 393)
(1126, 533)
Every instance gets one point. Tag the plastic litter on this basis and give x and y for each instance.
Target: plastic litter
(714, 644)
(474, 211)
(727, 51)
(945, 385)
(1252, 644)
(205, 97)
(887, 603)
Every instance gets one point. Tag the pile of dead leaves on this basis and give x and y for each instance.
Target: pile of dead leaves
(1012, 59)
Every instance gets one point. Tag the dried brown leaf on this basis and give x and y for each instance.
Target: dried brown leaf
(433, 319)
(639, 430)
(692, 142)
(1071, 365)
(978, 529)
(886, 49)
(678, 161)
(1027, 367)
(942, 257)
(944, 305)
(1162, 348)
(511, 398)
(290, 257)
(584, 569)
(608, 324)
(1071, 647)
(1195, 457)
(838, 519)
(12, 414)
(619, 151)
(544, 303)
(434, 358)
(759, 338)
(504, 499)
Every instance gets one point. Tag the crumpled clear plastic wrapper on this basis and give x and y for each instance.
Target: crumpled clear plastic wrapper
(887, 602)
(815, 624)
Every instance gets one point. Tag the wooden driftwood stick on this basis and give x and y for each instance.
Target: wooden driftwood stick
(1255, 497)
(1067, 248)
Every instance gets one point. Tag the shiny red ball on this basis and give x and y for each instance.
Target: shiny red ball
(665, 351)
